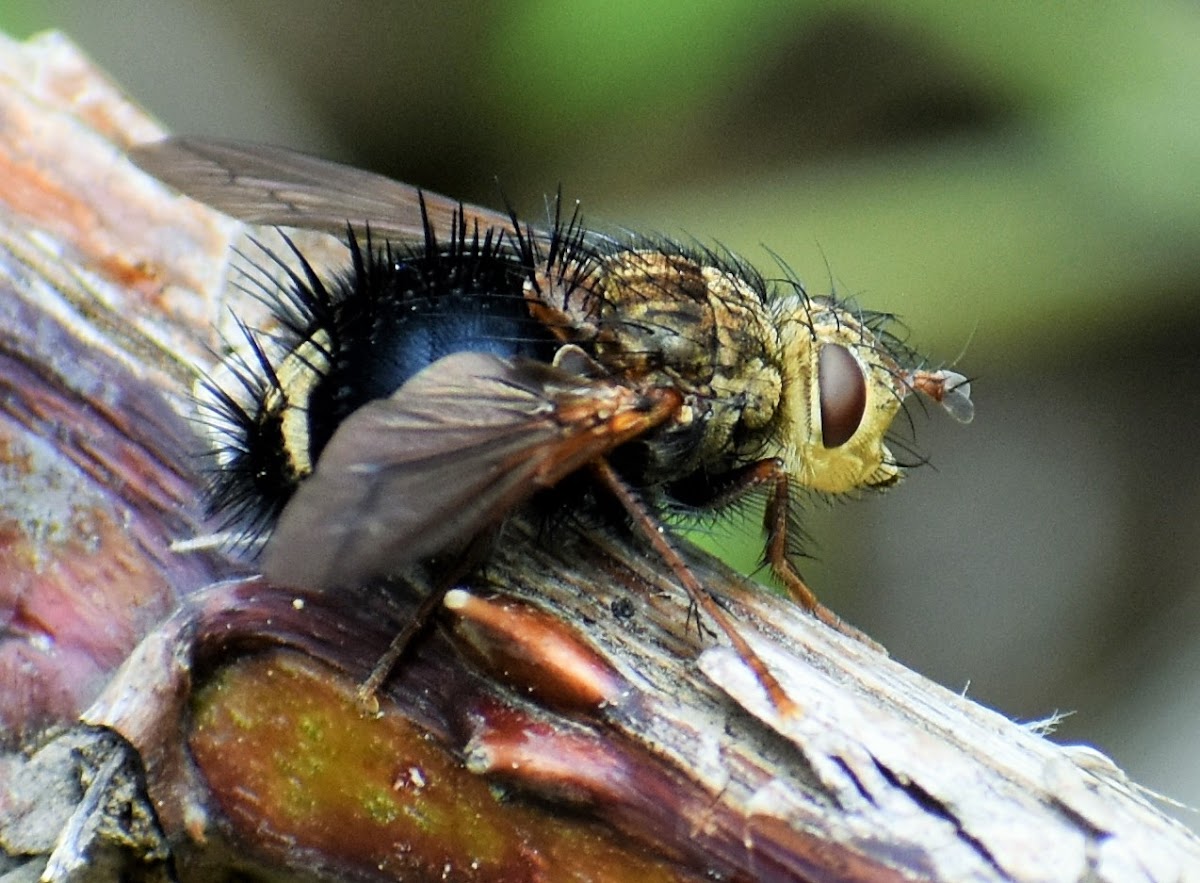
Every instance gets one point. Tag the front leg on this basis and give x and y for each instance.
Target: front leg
(775, 524)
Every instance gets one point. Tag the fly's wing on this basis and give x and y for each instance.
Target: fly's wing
(272, 185)
(449, 454)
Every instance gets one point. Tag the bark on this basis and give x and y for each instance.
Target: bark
(167, 715)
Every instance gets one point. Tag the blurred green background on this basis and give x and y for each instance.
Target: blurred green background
(1019, 181)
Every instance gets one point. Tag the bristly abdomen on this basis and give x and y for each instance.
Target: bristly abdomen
(395, 310)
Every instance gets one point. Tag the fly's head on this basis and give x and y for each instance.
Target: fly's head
(844, 383)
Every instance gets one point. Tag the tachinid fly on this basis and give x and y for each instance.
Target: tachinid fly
(472, 362)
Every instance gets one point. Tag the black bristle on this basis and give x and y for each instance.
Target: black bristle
(354, 338)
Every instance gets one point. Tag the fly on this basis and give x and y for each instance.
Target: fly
(475, 362)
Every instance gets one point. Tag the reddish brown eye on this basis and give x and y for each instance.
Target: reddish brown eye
(843, 394)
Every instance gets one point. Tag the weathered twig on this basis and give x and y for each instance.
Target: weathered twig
(562, 720)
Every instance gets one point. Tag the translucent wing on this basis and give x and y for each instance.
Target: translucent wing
(272, 185)
(449, 454)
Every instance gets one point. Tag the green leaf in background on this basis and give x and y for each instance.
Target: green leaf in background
(20, 18)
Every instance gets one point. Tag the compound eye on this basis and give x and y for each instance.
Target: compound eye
(843, 391)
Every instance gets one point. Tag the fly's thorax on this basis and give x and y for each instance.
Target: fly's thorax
(663, 319)
(842, 389)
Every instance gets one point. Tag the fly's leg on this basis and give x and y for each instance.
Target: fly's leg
(775, 523)
(652, 529)
(366, 694)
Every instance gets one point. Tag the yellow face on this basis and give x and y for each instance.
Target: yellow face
(841, 391)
